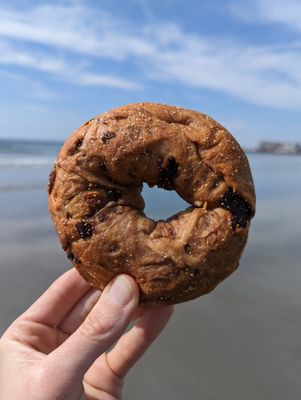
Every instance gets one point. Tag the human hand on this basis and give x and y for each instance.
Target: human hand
(59, 348)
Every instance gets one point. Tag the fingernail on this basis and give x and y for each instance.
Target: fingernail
(120, 292)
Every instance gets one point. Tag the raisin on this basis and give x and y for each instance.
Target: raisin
(107, 136)
(217, 180)
(102, 217)
(72, 257)
(76, 147)
(51, 179)
(91, 186)
(163, 298)
(239, 208)
(102, 166)
(95, 204)
(187, 248)
(84, 229)
(88, 122)
(113, 195)
(113, 248)
(120, 117)
(168, 174)
(65, 244)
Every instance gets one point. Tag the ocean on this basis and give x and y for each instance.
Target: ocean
(242, 341)
(25, 166)
(19, 153)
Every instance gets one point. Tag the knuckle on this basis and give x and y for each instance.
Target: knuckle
(18, 330)
(97, 325)
(124, 351)
(143, 336)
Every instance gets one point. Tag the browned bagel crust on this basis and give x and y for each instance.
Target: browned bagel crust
(97, 208)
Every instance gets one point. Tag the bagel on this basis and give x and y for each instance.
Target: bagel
(97, 208)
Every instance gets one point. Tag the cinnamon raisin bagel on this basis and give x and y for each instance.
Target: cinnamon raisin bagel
(97, 208)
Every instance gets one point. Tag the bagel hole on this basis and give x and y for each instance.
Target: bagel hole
(162, 204)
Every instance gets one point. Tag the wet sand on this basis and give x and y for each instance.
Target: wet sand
(242, 341)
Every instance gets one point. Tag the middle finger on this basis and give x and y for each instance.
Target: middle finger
(81, 310)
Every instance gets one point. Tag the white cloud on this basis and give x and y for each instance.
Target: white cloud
(31, 89)
(10, 55)
(91, 79)
(74, 28)
(286, 12)
(263, 75)
(267, 75)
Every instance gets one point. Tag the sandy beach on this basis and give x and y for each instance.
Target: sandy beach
(242, 341)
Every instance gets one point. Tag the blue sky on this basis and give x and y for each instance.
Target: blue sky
(62, 62)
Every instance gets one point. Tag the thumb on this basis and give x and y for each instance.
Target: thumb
(100, 330)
